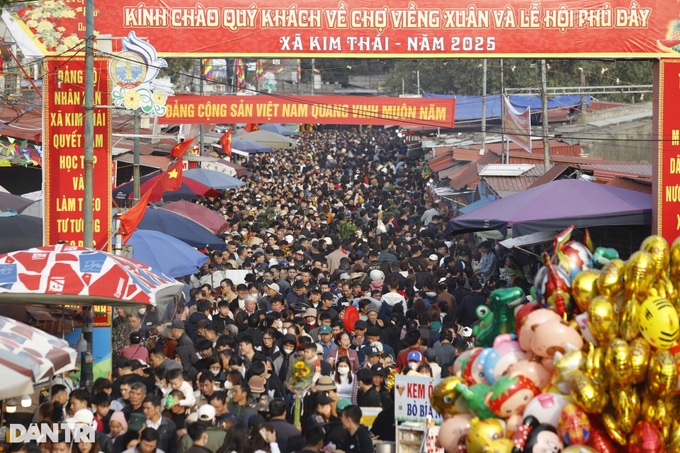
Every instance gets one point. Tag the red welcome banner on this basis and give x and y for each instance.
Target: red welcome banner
(387, 28)
(64, 144)
(189, 109)
(668, 164)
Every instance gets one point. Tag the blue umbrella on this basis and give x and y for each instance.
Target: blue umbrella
(165, 254)
(249, 146)
(214, 179)
(279, 129)
(181, 228)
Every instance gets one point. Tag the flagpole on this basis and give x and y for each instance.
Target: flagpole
(544, 102)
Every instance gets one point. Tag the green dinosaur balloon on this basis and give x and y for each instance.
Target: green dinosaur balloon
(603, 256)
(503, 303)
(485, 317)
(475, 398)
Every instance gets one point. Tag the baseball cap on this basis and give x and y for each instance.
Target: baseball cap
(373, 331)
(378, 370)
(325, 329)
(322, 398)
(136, 422)
(360, 324)
(342, 404)
(274, 287)
(414, 356)
(319, 349)
(373, 351)
(434, 257)
(206, 413)
(177, 324)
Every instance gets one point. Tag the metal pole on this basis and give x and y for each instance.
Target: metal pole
(544, 99)
(505, 157)
(135, 163)
(88, 161)
(201, 129)
(418, 81)
(483, 145)
(583, 96)
(313, 75)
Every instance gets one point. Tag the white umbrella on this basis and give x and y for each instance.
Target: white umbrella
(13, 384)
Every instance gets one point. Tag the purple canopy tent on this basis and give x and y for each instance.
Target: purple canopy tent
(556, 205)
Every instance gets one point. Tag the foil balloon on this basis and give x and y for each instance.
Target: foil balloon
(546, 408)
(662, 374)
(639, 273)
(503, 303)
(640, 352)
(575, 258)
(531, 322)
(627, 405)
(645, 439)
(603, 256)
(656, 412)
(629, 326)
(573, 426)
(584, 288)
(482, 433)
(578, 449)
(497, 360)
(603, 319)
(618, 364)
(444, 396)
(452, 430)
(610, 282)
(566, 365)
(553, 284)
(554, 336)
(595, 364)
(509, 396)
(674, 267)
(601, 443)
(475, 397)
(611, 426)
(588, 394)
(533, 436)
(657, 246)
(461, 361)
(582, 324)
(531, 369)
(659, 323)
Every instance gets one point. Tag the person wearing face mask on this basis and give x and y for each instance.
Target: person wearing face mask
(345, 380)
(281, 358)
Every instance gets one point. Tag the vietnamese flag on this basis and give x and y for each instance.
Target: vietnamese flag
(171, 180)
(225, 142)
(130, 219)
(179, 149)
(252, 127)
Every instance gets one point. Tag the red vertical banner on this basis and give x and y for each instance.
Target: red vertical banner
(668, 195)
(64, 151)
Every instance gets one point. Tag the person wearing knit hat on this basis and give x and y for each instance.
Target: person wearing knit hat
(117, 425)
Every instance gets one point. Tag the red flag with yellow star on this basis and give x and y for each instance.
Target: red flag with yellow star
(225, 142)
(171, 180)
(179, 149)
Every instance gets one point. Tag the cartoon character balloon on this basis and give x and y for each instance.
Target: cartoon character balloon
(497, 360)
(546, 408)
(573, 426)
(553, 284)
(509, 397)
(452, 430)
(483, 433)
(535, 437)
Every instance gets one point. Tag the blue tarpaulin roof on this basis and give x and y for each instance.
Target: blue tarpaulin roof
(470, 107)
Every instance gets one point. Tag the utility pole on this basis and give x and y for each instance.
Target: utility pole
(583, 96)
(544, 99)
(201, 128)
(313, 75)
(88, 161)
(483, 146)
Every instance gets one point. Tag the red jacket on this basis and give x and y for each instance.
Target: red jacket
(402, 357)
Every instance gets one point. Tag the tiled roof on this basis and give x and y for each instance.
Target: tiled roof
(507, 185)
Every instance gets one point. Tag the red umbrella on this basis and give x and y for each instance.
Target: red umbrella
(206, 217)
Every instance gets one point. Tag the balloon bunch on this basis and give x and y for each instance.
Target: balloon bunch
(591, 366)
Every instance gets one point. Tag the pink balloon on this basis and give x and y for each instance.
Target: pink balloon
(452, 429)
(531, 322)
(531, 369)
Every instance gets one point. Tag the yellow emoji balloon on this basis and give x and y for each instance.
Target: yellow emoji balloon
(658, 321)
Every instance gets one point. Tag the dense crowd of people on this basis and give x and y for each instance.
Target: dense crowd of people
(338, 255)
